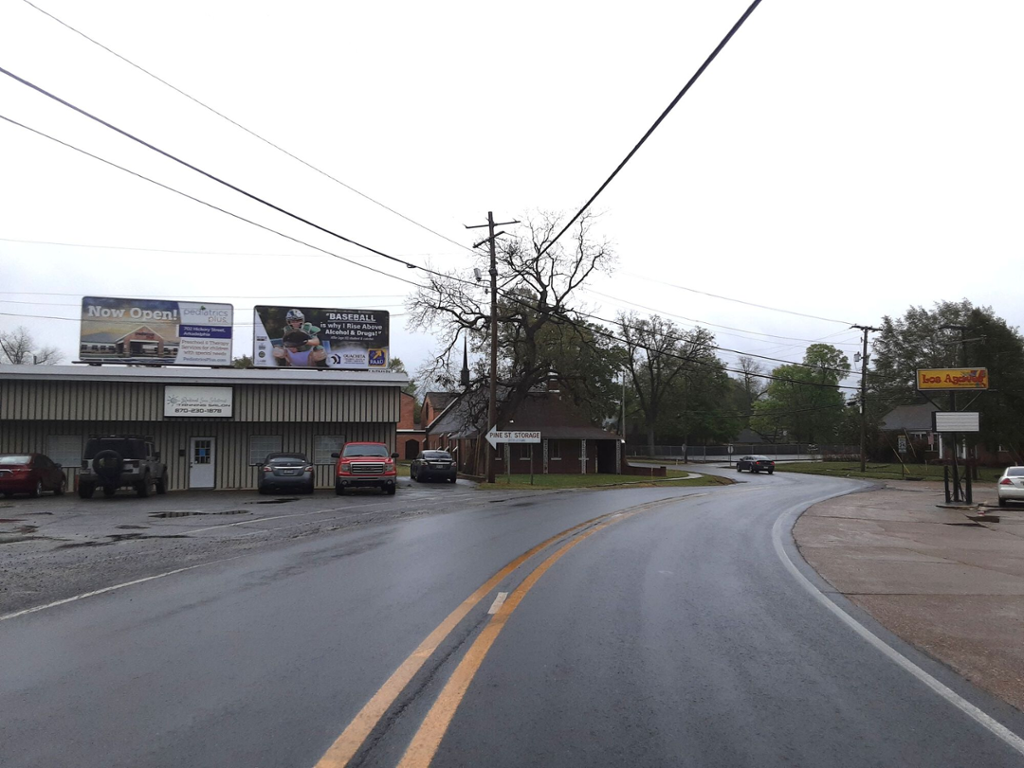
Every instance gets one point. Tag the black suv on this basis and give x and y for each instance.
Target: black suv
(121, 461)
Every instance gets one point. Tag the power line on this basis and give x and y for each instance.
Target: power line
(657, 122)
(739, 301)
(247, 130)
(207, 174)
(208, 205)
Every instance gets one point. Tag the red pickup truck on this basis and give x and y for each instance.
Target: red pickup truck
(365, 465)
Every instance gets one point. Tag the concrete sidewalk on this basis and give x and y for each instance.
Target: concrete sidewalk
(950, 587)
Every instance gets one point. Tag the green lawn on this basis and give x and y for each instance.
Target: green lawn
(877, 471)
(552, 482)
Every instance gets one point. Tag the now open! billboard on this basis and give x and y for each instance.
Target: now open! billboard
(155, 332)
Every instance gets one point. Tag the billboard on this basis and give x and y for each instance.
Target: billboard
(350, 339)
(155, 332)
(952, 378)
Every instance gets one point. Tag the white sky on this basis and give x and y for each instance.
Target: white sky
(845, 160)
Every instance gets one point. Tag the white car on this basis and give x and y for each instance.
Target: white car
(1011, 485)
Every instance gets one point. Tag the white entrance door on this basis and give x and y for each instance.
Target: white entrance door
(202, 462)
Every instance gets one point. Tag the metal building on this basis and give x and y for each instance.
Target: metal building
(212, 426)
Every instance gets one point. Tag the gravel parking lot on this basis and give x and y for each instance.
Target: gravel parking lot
(54, 547)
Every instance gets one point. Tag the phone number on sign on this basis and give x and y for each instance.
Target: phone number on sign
(188, 411)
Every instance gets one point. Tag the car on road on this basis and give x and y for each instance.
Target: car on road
(365, 465)
(1010, 486)
(31, 473)
(431, 464)
(755, 464)
(121, 461)
(289, 472)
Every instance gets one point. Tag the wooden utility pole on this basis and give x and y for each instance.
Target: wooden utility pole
(863, 396)
(492, 404)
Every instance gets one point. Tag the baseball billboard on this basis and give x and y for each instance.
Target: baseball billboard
(155, 332)
(350, 339)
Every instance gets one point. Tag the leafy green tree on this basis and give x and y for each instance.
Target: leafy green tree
(245, 361)
(804, 401)
(972, 337)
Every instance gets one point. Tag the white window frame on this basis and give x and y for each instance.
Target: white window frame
(261, 445)
(64, 450)
(324, 446)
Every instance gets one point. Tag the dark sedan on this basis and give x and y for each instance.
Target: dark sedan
(755, 464)
(431, 464)
(286, 472)
(30, 473)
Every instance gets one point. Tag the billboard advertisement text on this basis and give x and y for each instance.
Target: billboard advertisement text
(350, 339)
(155, 332)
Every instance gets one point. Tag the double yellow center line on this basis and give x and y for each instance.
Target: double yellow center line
(427, 739)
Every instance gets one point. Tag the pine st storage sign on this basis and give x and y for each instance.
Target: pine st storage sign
(148, 331)
(351, 339)
(952, 378)
(203, 402)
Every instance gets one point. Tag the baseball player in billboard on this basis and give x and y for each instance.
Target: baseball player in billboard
(300, 342)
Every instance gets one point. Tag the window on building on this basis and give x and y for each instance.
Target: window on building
(261, 445)
(553, 451)
(521, 451)
(324, 446)
(64, 450)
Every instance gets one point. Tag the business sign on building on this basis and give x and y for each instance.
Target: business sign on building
(153, 332)
(956, 421)
(204, 402)
(952, 378)
(353, 339)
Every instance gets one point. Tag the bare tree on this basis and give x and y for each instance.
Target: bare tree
(538, 330)
(753, 382)
(18, 348)
(659, 356)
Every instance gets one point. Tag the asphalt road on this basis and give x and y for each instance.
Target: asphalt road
(672, 634)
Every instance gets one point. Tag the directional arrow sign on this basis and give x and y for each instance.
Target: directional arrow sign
(494, 437)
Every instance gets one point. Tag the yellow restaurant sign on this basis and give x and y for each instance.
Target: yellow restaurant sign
(952, 378)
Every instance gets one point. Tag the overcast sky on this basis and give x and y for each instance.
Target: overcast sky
(841, 160)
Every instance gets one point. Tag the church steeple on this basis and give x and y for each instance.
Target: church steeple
(465, 364)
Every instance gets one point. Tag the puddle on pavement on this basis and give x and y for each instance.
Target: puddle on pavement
(274, 501)
(192, 513)
(967, 525)
(118, 537)
(131, 527)
(11, 520)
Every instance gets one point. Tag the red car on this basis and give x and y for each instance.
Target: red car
(365, 465)
(30, 473)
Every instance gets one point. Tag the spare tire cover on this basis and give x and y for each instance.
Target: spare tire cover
(107, 464)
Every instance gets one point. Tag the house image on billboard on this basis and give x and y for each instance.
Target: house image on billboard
(141, 342)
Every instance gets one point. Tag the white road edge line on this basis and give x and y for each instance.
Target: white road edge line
(994, 726)
(498, 602)
(84, 595)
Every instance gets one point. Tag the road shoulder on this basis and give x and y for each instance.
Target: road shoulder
(952, 589)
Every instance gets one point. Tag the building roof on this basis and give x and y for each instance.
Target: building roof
(912, 418)
(284, 376)
(554, 416)
(440, 400)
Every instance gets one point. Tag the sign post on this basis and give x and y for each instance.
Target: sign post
(494, 437)
(953, 380)
(731, 449)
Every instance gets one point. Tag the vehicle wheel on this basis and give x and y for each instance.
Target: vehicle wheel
(161, 485)
(771, 471)
(7, 494)
(452, 479)
(38, 490)
(1002, 502)
(62, 487)
(85, 490)
(339, 489)
(738, 469)
(109, 490)
(311, 488)
(142, 489)
(390, 490)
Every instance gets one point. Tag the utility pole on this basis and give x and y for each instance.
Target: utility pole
(957, 491)
(492, 404)
(863, 396)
